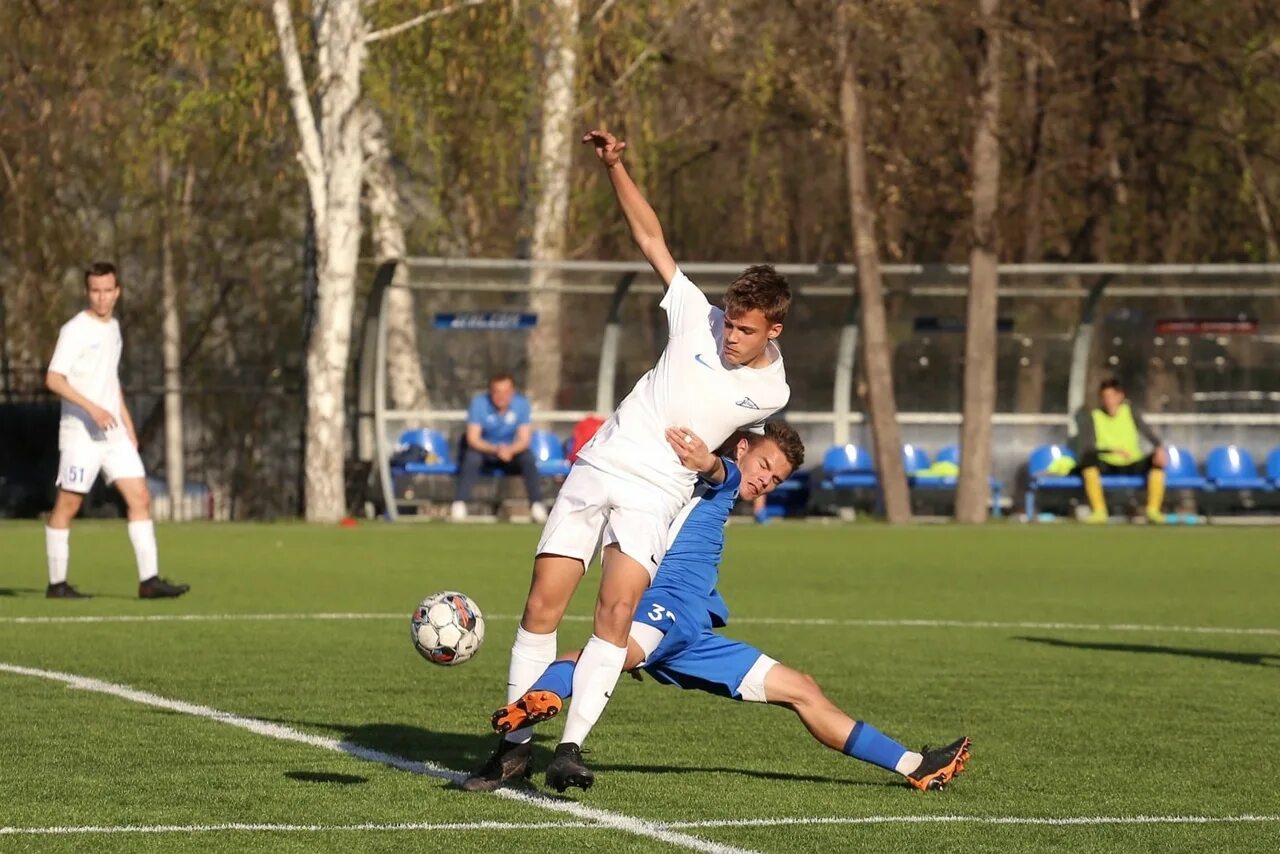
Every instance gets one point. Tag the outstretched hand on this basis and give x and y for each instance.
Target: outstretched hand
(608, 148)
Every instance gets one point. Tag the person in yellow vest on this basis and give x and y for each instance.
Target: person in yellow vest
(1110, 439)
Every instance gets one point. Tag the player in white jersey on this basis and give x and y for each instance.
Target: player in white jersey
(721, 371)
(96, 434)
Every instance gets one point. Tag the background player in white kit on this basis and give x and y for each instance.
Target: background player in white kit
(721, 371)
(96, 434)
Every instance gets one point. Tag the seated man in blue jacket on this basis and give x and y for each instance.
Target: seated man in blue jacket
(498, 432)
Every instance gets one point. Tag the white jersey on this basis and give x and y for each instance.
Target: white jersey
(88, 355)
(690, 386)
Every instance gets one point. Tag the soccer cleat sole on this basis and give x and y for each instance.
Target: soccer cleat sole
(533, 708)
(574, 781)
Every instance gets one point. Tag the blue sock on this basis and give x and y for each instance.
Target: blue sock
(557, 678)
(870, 745)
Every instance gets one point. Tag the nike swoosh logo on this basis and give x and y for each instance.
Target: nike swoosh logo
(698, 358)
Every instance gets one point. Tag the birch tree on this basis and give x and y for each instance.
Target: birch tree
(973, 493)
(404, 361)
(876, 345)
(551, 218)
(331, 155)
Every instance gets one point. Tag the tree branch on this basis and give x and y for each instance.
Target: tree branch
(309, 153)
(378, 35)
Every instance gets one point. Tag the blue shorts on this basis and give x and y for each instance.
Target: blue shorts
(691, 655)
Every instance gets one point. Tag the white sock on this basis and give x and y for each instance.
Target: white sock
(57, 547)
(530, 655)
(594, 679)
(909, 762)
(143, 536)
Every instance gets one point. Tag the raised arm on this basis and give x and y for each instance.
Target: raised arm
(645, 228)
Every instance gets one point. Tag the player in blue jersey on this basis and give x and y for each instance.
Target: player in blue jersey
(673, 639)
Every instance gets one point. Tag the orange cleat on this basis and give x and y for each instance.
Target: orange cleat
(533, 708)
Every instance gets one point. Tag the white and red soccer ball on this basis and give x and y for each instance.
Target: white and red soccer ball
(447, 628)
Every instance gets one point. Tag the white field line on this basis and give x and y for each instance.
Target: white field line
(746, 621)
(1049, 821)
(603, 818)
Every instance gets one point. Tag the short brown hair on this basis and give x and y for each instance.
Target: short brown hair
(785, 437)
(501, 377)
(759, 287)
(1110, 383)
(100, 268)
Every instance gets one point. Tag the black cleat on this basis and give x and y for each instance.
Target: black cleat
(156, 587)
(509, 762)
(63, 590)
(567, 769)
(940, 766)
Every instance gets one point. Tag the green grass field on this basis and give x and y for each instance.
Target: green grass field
(1103, 674)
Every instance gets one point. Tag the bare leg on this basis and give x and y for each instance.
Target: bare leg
(799, 692)
(65, 508)
(57, 536)
(555, 578)
(137, 497)
(604, 656)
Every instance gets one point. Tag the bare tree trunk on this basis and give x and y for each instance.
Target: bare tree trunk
(171, 350)
(876, 346)
(332, 160)
(404, 360)
(551, 220)
(973, 492)
(1033, 316)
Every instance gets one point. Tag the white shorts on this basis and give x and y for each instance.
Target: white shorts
(596, 508)
(80, 462)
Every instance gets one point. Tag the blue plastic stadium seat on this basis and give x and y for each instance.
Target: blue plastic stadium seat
(914, 458)
(948, 454)
(435, 443)
(1181, 472)
(549, 453)
(849, 467)
(1232, 467)
(1273, 467)
(1040, 460)
(1037, 464)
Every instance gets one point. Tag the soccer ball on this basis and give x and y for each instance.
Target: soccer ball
(447, 628)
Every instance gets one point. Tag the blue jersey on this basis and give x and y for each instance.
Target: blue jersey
(691, 566)
(498, 428)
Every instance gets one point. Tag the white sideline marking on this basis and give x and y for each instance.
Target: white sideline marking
(746, 621)
(294, 828)
(601, 818)
(1065, 821)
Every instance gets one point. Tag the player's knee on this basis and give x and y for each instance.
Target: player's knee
(613, 617)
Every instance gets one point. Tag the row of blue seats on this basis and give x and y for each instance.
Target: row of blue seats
(550, 453)
(1227, 468)
(853, 467)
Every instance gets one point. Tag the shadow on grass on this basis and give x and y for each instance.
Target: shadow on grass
(748, 772)
(465, 752)
(324, 777)
(20, 591)
(1260, 659)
